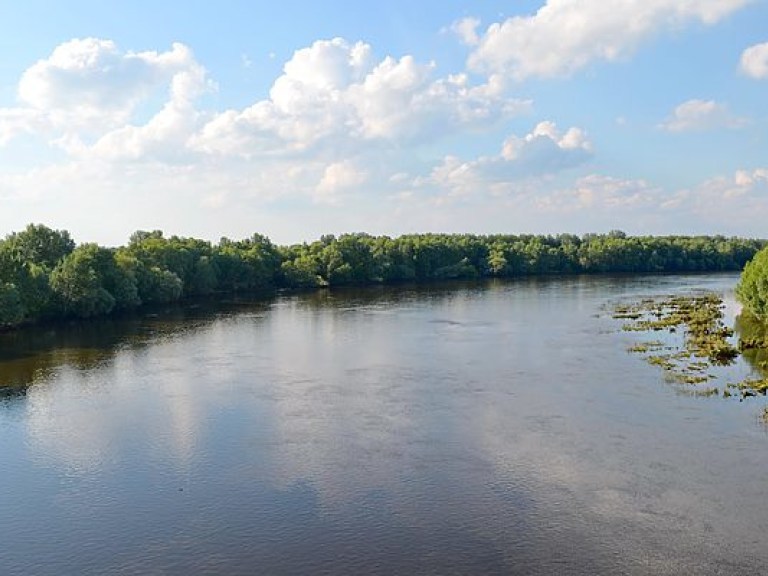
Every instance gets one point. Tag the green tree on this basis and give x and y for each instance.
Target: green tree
(300, 273)
(77, 282)
(250, 264)
(156, 285)
(41, 245)
(752, 289)
(11, 306)
(204, 279)
(349, 260)
(29, 278)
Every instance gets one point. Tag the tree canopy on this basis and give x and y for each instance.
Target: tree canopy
(44, 275)
(752, 289)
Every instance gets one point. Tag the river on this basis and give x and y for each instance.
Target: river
(464, 428)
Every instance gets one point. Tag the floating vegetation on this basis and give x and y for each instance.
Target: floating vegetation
(696, 341)
(700, 316)
(642, 347)
(751, 387)
(692, 379)
(707, 392)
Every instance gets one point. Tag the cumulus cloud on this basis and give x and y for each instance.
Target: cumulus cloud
(754, 61)
(337, 91)
(127, 126)
(544, 151)
(701, 115)
(164, 137)
(86, 99)
(91, 83)
(334, 101)
(566, 35)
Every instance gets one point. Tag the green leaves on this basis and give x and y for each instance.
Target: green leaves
(752, 289)
(11, 306)
(41, 245)
(43, 275)
(79, 281)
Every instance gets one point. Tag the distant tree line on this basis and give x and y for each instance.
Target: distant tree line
(45, 275)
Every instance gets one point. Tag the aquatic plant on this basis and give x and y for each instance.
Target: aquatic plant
(697, 341)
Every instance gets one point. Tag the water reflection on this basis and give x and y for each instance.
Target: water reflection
(32, 355)
(754, 334)
(474, 428)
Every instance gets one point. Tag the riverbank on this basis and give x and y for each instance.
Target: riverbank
(44, 275)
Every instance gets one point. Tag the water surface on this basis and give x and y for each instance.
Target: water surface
(488, 428)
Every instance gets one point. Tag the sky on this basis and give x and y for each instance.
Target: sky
(296, 119)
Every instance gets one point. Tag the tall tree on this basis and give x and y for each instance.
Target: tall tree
(41, 245)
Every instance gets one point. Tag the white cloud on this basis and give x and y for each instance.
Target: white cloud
(339, 178)
(544, 140)
(735, 204)
(84, 96)
(334, 95)
(334, 105)
(102, 200)
(566, 35)
(707, 206)
(90, 83)
(747, 179)
(337, 121)
(742, 185)
(754, 61)
(17, 121)
(466, 30)
(162, 138)
(701, 115)
(542, 152)
(603, 193)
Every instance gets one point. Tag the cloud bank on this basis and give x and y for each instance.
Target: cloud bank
(346, 138)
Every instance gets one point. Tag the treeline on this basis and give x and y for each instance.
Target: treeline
(45, 275)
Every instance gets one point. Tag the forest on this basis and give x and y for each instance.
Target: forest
(45, 275)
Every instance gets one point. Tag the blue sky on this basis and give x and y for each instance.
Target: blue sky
(296, 118)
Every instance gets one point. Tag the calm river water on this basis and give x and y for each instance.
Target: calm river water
(489, 428)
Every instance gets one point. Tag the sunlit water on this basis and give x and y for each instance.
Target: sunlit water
(491, 428)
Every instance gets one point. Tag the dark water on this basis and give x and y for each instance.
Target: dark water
(497, 428)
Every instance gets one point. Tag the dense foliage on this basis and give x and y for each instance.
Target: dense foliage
(752, 289)
(43, 274)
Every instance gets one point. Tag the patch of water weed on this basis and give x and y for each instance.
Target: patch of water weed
(643, 347)
(696, 341)
(751, 387)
